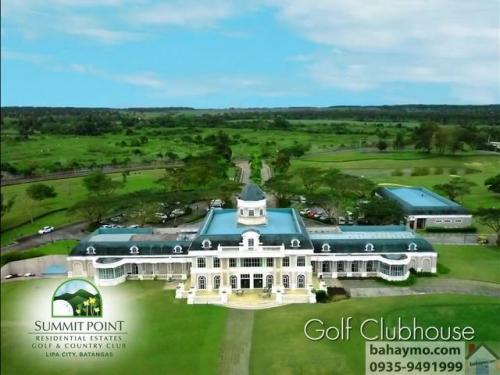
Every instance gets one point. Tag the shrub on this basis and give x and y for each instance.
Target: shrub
(442, 269)
(420, 171)
(453, 170)
(397, 172)
(471, 229)
(438, 170)
(322, 296)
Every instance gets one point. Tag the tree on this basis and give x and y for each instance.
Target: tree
(491, 218)
(455, 188)
(423, 136)
(282, 161)
(7, 206)
(26, 126)
(381, 145)
(38, 193)
(94, 208)
(399, 141)
(100, 184)
(441, 139)
(381, 211)
(493, 183)
(280, 186)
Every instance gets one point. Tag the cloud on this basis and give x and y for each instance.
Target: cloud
(34, 58)
(366, 45)
(186, 13)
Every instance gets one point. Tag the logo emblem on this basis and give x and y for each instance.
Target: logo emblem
(76, 298)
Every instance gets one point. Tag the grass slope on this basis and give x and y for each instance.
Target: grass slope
(55, 248)
(470, 262)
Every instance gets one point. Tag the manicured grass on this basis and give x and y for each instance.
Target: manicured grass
(280, 347)
(378, 167)
(173, 337)
(62, 247)
(470, 262)
(69, 191)
(165, 335)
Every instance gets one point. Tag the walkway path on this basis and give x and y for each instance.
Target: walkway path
(371, 288)
(244, 165)
(237, 343)
(265, 174)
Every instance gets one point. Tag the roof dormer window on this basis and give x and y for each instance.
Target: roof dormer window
(134, 249)
(412, 246)
(91, 250)
(177, 249)
(369, 247)
(206, 244)
(295, 243)
(325, 247)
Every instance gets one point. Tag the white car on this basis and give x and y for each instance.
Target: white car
(134, 226)
(46, 229)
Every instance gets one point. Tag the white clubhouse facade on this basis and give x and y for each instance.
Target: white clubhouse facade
(251, 247)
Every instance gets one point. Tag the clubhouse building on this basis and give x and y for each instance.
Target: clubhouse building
(251, 247)
(424, 208)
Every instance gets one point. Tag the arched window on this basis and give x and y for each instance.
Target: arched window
(134, 249)
(325, 247)
(412, 246)
(301, 281)
(216, 282)
(202, 282)
(269, 281)
(234, 282)
(177, 249)
(91, 250)
(369, 247)
(206, 244)
(286, 281)
(295, 243)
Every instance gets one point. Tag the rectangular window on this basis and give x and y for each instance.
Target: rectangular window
(340, 266)
(106, 273)
(216, 262)
(250, 212)
(201, 263)
(252, 262)
(270, 262)
(439, 221)
(250, 242)
(369, 266)
(286, 262)
(397, 270)
(354, 267)
(301, 261)
(447, 221)
(458, 220)
(232, 262)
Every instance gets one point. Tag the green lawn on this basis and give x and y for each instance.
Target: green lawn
(69, 191)
(56, 248)
(175, 338)
(279, 346)
(470, 262)
(379, 167)
(170, 337)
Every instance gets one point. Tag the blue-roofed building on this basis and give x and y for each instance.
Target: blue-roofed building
(424, 208)
(251, 247)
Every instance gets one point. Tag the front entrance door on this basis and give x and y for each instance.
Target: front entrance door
(245, 281)
(257, 281)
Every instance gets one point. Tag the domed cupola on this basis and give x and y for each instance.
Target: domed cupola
(252, 206)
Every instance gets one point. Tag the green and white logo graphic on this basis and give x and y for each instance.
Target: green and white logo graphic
(76, 298)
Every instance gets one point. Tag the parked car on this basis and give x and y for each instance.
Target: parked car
(46, 229)
(177, 212)
(110, 226)
(134, 226)
(216, 203)
(10, 276)
(29, 274)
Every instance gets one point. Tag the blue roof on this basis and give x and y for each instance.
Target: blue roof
(224, 222)
(419, 200)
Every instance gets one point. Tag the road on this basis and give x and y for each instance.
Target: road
(68, 232)
(244, 166)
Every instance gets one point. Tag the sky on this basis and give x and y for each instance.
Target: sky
(253, 53)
